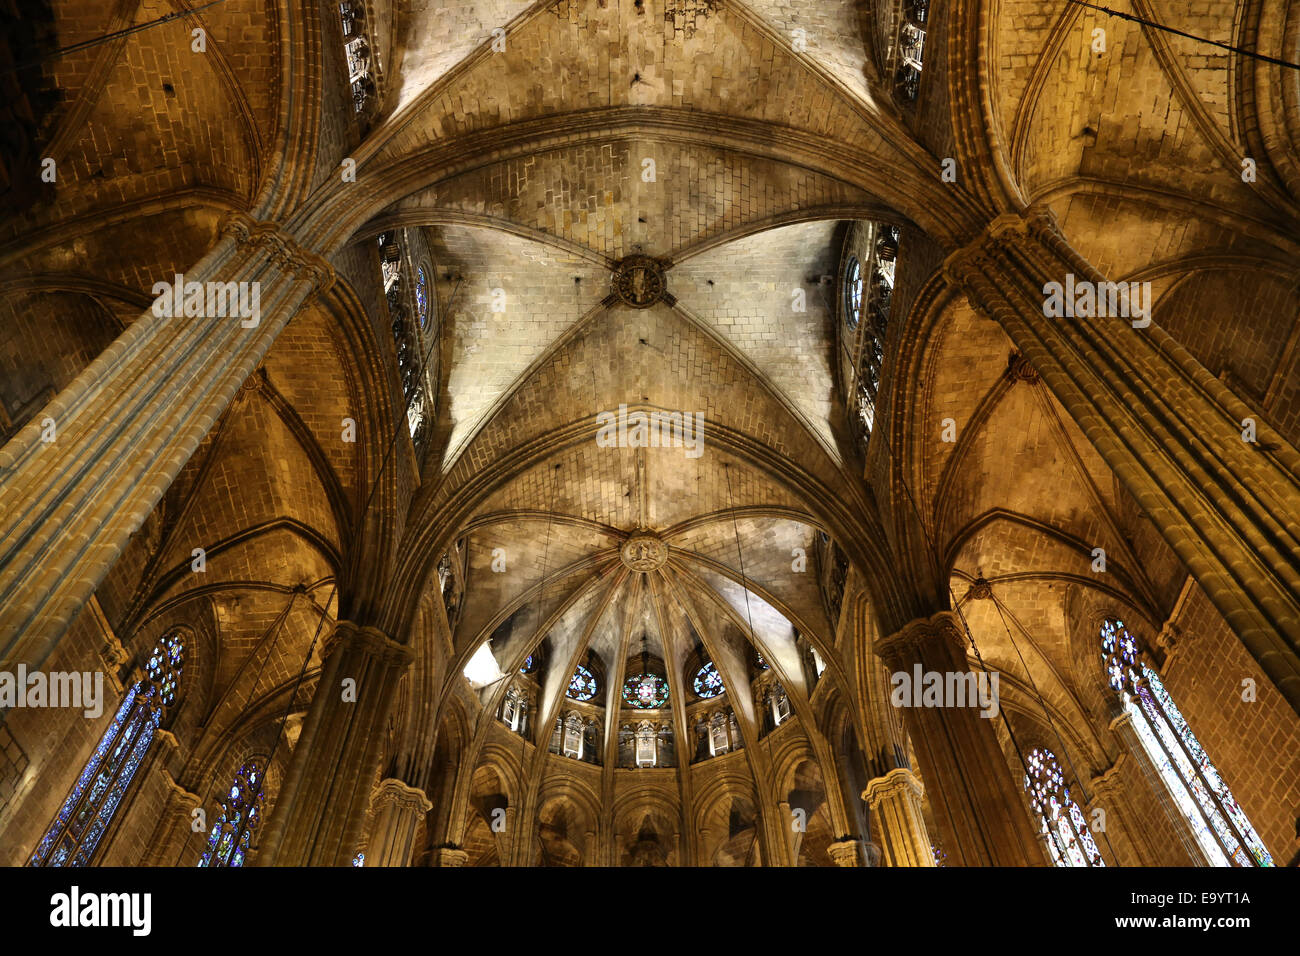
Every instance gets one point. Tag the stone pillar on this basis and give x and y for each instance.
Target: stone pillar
(1168, 429)
(981, 817)
(397, 819)
(322, 803)
(1158, 851)
(123, 430)
(895, 804)
(844, 853)
(174, 829)
(1129, 845)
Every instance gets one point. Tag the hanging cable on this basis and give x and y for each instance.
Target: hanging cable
(970, 637)
(278, 625)
(1065, 751)
(1190, 36)
(109, 37)
(402, 427)
(744, 585)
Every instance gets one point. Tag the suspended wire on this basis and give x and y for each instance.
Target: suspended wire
(1276, 61)
(109, 37)
(952, 599)
(1065, 751)
(278, 625)
(402, 427)
(744, 584)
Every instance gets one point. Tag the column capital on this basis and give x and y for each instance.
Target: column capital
(282, 248)
(401, 795)
(1105, 783)
(904, 644)
(177, 792)
(844, 852)
(450, 856)
(1037, 222)
(898, 780)
(349, 636)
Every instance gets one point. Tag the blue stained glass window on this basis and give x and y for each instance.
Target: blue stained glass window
(1220, 826)
(582, 685)
(1059, 817)
(853, 292)
(529, 664)
(646, 691)
(422, 297)
(708, 682)
(241, 814)
(74, 834)
(359, 859)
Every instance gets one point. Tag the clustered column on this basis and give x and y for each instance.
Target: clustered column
(1172, 433)
(895, 804)
(981, 818)
(322, 805)
(81, 477)
(399, 810)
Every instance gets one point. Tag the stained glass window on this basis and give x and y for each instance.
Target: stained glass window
(645, 691)
(758, 660)
(359, 859)
(582, 685)
(422, 297)
(1059, 817)
(529, 665)
(241, 814)
(853, 292)
(1217, 821)
(77, 828)
(708, 682)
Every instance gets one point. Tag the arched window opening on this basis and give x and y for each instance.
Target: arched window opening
(422, 297)
(646, 736)
(356, 48)
(514, 710)
(582, 685)
(241, 814)
(406, 339)
(1220, 826)
(878, 275)
(645, 691)
(74, 834)
(1059, 817)
(853, 293)
(909, 51)
(708, 682)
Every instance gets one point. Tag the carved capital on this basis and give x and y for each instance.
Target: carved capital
(281, 248)
(398, 794)
(904, 646)
(844, 852)
(447, 856)
(898, 782)
(350, 637)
